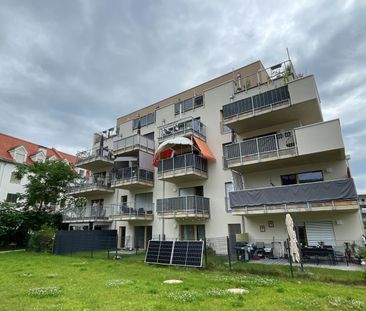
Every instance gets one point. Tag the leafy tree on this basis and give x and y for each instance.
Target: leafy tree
(10, 222)
(47, 182)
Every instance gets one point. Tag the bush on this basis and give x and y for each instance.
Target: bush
(42, 240)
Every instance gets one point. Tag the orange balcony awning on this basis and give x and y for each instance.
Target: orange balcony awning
(205, 151)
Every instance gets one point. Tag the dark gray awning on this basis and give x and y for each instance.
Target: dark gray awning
(343, 189)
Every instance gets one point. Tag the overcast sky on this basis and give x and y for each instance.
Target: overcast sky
(70, 68)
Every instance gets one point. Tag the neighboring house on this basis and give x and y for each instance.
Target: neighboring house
(362, 203)
(259, 131)
(13, 151)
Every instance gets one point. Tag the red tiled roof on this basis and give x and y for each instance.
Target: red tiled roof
(8, 143)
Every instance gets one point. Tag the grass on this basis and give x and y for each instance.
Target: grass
(30, 281)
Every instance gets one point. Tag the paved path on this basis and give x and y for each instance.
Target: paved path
(12, 250)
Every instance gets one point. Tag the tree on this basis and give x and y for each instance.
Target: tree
(47, 182)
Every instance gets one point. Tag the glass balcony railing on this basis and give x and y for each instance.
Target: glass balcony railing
(132, 210)
(132, 174)
(187, 206)
(94, 153)
(182, 128)
(133, 142)
(187, 161)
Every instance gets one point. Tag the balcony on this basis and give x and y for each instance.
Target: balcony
(132, 211)
(310, 197)
(132, 178)
(188, 207)
(86, 214)
(133, 143)
(185, 127)
(186, 167)
(273, 104)
(97, 187)
(313, 143)
(94, 159)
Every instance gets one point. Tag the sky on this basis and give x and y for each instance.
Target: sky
(70, 68)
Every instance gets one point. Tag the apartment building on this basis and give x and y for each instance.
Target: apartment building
(362, 203)
(232, 155)
(15, 150)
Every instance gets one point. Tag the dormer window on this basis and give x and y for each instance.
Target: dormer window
(39, 157)
(19, 154)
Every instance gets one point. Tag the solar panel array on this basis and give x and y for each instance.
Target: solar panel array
(179, 253)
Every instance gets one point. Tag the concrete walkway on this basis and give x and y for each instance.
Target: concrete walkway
(284, 262)
(12, 250)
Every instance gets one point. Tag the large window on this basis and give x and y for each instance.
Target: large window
(302, 178)
(11, 197)
(228, 188)
(192, 232)
(188, 104)
(143, 121)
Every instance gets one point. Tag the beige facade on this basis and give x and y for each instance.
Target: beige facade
(274, 133)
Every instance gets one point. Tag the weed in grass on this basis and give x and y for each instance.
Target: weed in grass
(78, 264)
(82, 269)
(118, 283)
(346, 304)
(27, 275)
(280, 290)
(183, 296)
(40, 292)
(153, 291)
(217, 292)
(248, 281)
(237, 304)
(52, 275)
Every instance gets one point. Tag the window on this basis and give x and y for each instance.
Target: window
(228, 188)
(188, 104)
(19, 157)
(192, 232)
(310, 177)
(143, 121)
(14, 179)
(302, 178)
(11, 197)
(191, 191)
(288, 179)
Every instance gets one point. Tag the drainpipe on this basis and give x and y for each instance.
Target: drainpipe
(243, 223)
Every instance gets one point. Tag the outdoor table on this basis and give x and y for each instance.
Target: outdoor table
(317, 252)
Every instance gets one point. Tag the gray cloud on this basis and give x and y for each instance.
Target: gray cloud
(70, 68)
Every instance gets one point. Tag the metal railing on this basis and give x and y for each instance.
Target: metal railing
(133, 142)
(257, 103)
(329, 194)
(185, 161)
(181, 128)
(86, 213)
(94, 153)
(132, 174)
(186, 205)
(275, 145)
(132, 210)
(96, 182)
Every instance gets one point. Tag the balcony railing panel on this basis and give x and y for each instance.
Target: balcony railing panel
(275, 145)
(86, 213)
(181, 128)
(97, 182)
(342, 189)
(258, 102)
(187, 204)
(134, 142)
(132, 210)
(184, 161)
(93, 154)
(131, 174)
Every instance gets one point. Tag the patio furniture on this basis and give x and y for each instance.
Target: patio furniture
(317, 253)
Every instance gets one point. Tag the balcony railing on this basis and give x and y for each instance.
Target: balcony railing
(256, 149)
(187, 206)
(134, 142)
(186, 162)
(133, 210)
(132, 174)
(92, 154)
(323, 194)
(86, 213)
(96, 183)
(255, 104)
(182, 128)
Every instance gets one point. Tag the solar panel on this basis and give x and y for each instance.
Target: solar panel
(180, 253)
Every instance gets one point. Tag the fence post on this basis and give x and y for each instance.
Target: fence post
(205, 250)
(228, 251)
(289, 257)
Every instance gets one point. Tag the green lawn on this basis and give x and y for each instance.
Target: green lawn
(75, 283)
